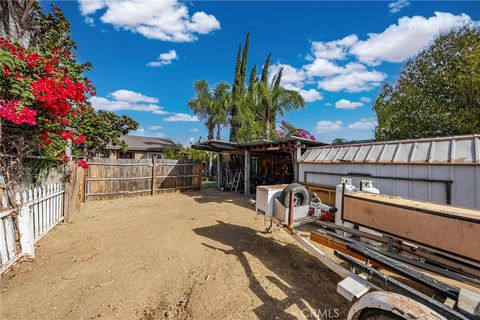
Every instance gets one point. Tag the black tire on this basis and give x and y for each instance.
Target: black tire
(378, 314)
(300, 194)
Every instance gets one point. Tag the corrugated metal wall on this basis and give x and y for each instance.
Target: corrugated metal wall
(465, 186)
(444, 169)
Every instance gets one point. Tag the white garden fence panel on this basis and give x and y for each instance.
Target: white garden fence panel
(41, 209)
(9, 250)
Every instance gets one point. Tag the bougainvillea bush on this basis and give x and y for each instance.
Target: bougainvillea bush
(40, 94)
(289, 130)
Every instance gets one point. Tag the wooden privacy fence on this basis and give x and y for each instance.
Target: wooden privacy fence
(109, 179)
(41, 209)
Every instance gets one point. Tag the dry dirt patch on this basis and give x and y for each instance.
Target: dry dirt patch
(198, 255)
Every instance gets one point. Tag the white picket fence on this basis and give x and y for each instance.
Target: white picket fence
(41, 209)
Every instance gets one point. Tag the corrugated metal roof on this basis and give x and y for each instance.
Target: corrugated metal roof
(221, 146)
(443, 150)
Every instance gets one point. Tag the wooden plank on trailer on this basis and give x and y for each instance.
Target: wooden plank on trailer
(452, 229)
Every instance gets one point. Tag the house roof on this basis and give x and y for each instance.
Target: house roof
(267, 145)
(141, 143)
(463, 149)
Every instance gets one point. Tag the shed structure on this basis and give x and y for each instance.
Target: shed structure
(442, 170)
(260, 162)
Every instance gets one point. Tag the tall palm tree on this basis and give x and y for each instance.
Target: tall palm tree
(211, 106)
(274, 100)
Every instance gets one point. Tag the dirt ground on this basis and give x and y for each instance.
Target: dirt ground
(195, 255)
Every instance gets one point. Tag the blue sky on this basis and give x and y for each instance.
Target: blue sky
(147, 54)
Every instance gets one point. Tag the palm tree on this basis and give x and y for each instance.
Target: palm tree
(222, 102)
(274, 100)
(211, 106)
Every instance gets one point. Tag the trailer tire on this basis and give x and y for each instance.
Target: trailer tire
(300, 194)
(377, 314)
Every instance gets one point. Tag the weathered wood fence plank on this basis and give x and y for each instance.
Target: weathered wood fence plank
(109, 179)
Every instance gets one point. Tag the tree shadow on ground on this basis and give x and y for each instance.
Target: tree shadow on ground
(305, 282)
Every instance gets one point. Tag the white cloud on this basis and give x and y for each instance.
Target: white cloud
(127, 100)
(347, 104)
(182, 117)
(194, 130)
(167, 20)
(164, 59)
(310, 95)
(336, 49)
(355, 78)
(132, 96)
(155, 128)
(291, 77)
(140, 131)
(364, 124)
(365, 99)
(294, 79)
(321, 67)
(403, 40)
(398, 5)
(328, 104)
(329, 126)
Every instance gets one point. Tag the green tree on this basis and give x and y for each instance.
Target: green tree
(238, 89)
(211, 106)
(274, 100)
(222, 101)
(338, 140)
(437, 93)
(103, 128)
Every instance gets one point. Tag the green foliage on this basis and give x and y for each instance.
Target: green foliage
(183, 153)
(103, 128)
(238, 89)
(339, 140)
(437, 93)
(251, 113)
(211, 106)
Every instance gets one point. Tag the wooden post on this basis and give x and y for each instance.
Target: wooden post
(247, 173)
(297, 153)
(153, 175)
(219, 171)
(85, 176)
(66, 200)
(25, 227)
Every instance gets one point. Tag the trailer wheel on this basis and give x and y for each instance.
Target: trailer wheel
(377, 314)
(300, 195)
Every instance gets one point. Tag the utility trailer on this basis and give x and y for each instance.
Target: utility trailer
(367, 266)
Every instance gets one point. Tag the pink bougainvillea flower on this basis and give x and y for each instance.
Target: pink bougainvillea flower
(65, 135)
(16, 113)
(80, 139)
(83, 163)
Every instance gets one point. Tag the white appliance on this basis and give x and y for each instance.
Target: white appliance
(349, 187)
(281, 213)
(265, 196)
